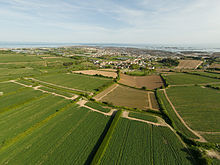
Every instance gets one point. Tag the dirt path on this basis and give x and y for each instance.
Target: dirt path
(99, 98)
(126, 113)
(212, 133)
(58, 85)
(149, 100)
(201, 139)
(213, 154)
(37, 88)
(82, 103)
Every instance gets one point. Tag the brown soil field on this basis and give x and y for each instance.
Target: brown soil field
(154, 101)
(150, 82)
(99, 72)
(105, 92)
(189, 64)
(50, 57)
(128, 97)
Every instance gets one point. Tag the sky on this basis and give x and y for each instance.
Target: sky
(111, 21)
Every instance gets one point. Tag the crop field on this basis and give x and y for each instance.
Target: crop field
(215, 65)
(135, 142)
(199, 107)
(128, 97)
(9, 87)
(77, 81)
(209, 74)
(143, 116)
(16, 99)
(182, 79)
(150, 82)
(97, 72)
(178, 124)
(97, 107)
(189, 64)
(65, 137)
(17, 58)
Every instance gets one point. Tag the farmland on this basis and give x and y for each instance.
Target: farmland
(184, 79)
(128, 97)
(77, 81)
(189, 64)
(150, 82)
(134, 142)
(196, 105)
(75, 133)
(143, 116)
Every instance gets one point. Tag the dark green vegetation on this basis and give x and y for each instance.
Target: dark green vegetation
(134, 142)
(183, 78)
(169, 62)
(143, 116)
(199, 107)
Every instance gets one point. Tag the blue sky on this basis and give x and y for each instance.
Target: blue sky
(111, 21)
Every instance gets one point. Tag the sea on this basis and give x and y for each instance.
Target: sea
(163, 47)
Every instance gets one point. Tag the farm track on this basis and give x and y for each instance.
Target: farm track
(201, 139)
(73, 89)
(53, 93)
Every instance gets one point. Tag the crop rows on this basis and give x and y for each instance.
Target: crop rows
(134, 142)
(143, 116)
(97, 106)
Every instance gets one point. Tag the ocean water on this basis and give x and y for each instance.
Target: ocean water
(165, 47)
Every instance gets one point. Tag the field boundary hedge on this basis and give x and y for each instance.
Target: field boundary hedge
(100, 152)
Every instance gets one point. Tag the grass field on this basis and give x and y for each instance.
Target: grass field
(77, 81)
(143, 116)
(9, 87)
(182, 78)
(128, 97)
(208, 74)
(67, 138)
(8, 58)
(97, 107)
(134, 142)
(199, 107)
(150, 82)
(178, 124)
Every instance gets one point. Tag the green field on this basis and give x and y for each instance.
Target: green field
(135, 142)
(208, 74)
(67, 137)
(143, 116)
(9, 87)
(77, 81)
(183, 78)
(178, 124)
(97, 107)
(199, 107)
(8, 58)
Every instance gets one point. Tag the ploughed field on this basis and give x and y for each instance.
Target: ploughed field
(187, 79)
(134, 142)
(150, 82)
(128, 97)
(189, 64)
(199, 107)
